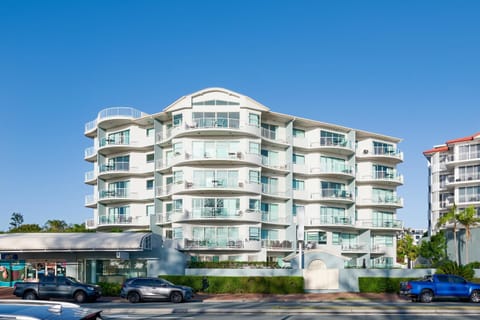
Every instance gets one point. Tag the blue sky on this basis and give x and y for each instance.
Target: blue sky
(408, 69)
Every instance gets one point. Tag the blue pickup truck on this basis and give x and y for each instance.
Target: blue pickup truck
(440, 285)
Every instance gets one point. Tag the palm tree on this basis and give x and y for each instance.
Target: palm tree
(468, 219)
(451, 217)
(55, 226)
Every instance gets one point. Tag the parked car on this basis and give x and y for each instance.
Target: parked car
(43, 310)
(150, 288)
(51, 287)
(440, 285)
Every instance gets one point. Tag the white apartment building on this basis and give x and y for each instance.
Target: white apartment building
(454, 177)
(224, 177)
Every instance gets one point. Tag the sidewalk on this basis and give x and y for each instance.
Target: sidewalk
(7, 293)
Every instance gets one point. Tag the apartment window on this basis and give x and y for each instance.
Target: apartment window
(254, 204)
(298, 133)
(383, 240)
(269, 234)
(122, 137)
(177, 120)
(296, 208)
(298, 159)
(254, 176)
(469, 151)
(469, 194)
(150, 157)
(254, 234)
(149, 131)
(382, 172)
(383, 148)
(254, 148)
(150, 184)
(177, 148)
(269, 131)
(118, 214)
(333, 215)
(178, 205)
(253, 119)
(345, 239)
(469, 173)
(178, 176)
(215, 103)
(328, 138)
(384, 196)
(382, 219)
(332, 164)
(150, 209)
(316, 237)
(178, 233)
(298, 184)
(217, 119)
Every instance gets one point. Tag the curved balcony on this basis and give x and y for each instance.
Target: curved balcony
(333, 144)
(333, 195)
(333, 172)
(275, 166)
(268, 218)
(90, 154)
(273, 138)
(463, 159)
(217, 214)
(90, 177)
(219, 245)
(120, 194)
(278, 245)
(211, 159)
(380, 225)
(91, 201)
(123, 222)
(273, 192)
(392, 202)
(112, 117)
(384, 178)
(214, 186)
(393, 156)
(330, 221)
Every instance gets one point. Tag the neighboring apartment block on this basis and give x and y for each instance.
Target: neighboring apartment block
(224, 178)
(454, 177)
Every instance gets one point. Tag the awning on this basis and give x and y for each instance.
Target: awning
(74, 242)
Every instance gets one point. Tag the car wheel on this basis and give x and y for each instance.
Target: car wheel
(176, 297)
(30, 296)
(133, 297)
(426, 296)
(475, 296)
(80, 297)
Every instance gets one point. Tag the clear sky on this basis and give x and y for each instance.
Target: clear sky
(408, 69)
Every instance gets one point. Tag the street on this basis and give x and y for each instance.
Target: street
(289, 310)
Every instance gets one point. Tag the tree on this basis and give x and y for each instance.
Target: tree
(55, 226)
(468, 219)
(16, 220)
(77, 228)
(407, 248)
(451, 217)
(26, 228)
(434, 249)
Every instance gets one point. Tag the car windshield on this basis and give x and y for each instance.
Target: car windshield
(73, 279)
(167, 282)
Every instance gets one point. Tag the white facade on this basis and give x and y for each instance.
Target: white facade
(454, 177)
(223, 176)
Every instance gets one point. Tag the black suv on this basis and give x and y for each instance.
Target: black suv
(149, 288)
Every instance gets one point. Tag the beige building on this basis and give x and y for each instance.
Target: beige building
(226, 178)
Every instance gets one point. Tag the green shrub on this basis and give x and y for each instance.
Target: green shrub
(451, 267)
(380, 284)
(110, 289)
(218, 284)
